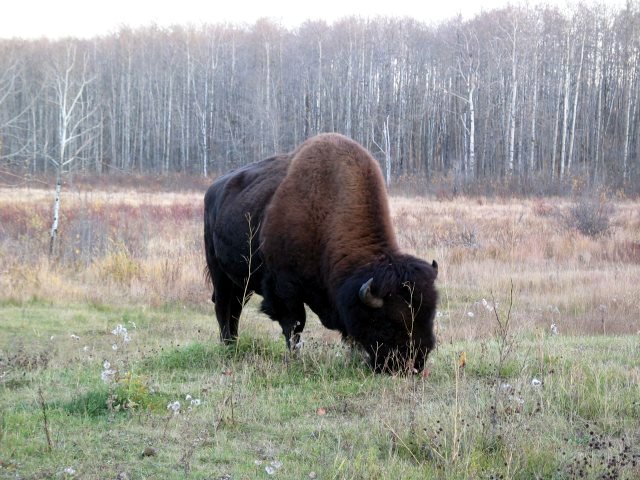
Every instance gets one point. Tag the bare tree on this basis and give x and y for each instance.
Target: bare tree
(507, 93)
(70, 80)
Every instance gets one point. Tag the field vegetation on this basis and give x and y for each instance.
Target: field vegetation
(110, 365)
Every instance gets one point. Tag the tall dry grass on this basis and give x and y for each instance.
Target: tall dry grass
(124, 247)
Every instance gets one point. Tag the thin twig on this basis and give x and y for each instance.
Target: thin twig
(47, 430)
(397, 437)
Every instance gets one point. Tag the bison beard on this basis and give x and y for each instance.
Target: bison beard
(316, 226)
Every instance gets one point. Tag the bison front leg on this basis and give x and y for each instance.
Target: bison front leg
(293, 325)
(288, 312)
(292, 319)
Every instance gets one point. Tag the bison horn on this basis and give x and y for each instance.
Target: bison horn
(368, 298)
(434, 265)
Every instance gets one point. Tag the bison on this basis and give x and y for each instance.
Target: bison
(313, 227)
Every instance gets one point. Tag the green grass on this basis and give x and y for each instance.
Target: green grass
(322, 411)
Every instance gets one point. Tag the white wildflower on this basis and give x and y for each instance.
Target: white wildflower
(114, 347)
(506, 386)
(554, 329)
(85, 348)
(438, 314)
(119, 331)
(270, 470)
(107, 375)
(70, 471)
(75, 337)
(258, 462)
(535, 382)
(174, 407)
(106, 365)
(470, 314)
(276, 464)
(196, 402)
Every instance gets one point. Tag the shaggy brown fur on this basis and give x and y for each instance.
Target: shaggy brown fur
(333, 206)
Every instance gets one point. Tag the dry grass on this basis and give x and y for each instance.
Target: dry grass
(585, 285)
(123, 252)
(123, 247)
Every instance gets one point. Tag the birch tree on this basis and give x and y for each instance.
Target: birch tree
(70, 81)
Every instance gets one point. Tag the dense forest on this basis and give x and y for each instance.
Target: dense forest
(512, 94)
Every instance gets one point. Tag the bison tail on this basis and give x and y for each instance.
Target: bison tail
(210, 255)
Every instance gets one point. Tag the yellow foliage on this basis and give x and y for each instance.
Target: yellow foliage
(119, 265)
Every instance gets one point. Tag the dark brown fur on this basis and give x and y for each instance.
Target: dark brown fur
(325, 232)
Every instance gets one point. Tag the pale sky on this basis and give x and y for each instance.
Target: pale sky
(88, 18)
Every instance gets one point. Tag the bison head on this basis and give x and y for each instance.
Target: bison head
(389, 309)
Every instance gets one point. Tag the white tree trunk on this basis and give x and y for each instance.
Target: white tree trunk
(555, 134)
(512, 127)
(387, 151)
(575, 110)
(471, 173)
(627, 132)
(512, 108)
(56, 214)
(565, 115)
(534, 109)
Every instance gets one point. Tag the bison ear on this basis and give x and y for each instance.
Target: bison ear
(434, 265)
(368, 298)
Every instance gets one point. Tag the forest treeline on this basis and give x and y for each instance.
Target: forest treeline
(516, 93)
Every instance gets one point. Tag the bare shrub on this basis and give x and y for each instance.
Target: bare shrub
(542, 208)
(591, 216)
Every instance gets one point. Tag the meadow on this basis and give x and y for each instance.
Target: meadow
(110, 364)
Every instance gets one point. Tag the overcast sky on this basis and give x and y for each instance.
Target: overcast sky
(88, 18)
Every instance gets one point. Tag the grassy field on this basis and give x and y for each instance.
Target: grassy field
(503, 395)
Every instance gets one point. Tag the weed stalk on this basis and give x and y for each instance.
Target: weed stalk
(45, 420)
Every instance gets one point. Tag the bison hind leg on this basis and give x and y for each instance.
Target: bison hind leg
(228, 299)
